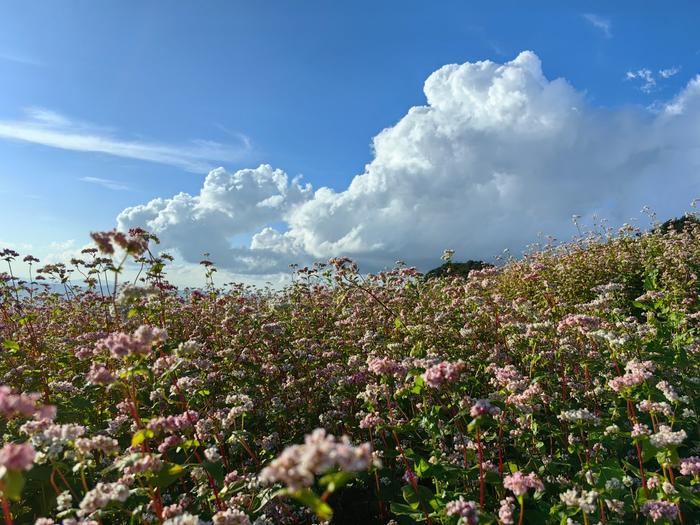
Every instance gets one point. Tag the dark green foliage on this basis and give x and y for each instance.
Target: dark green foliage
(460, 269)
(678, 224)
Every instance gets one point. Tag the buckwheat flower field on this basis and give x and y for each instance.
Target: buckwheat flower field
(558, 388)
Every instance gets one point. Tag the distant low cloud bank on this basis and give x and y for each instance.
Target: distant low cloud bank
(498, 154)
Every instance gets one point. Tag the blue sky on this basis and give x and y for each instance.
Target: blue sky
(303, 86)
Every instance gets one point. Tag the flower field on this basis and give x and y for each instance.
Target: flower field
(559, 388)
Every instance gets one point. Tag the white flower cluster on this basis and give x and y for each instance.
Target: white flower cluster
(101, 495)
(666, 437)
(580, 415)
(230, 517)
(241, 404)
(104, 444)
(184, 519)
(321, 452)
(586, 500)
(51, 439)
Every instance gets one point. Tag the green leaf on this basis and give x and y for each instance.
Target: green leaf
(417, 350)
(648, 450)
(135, 371)
(141, 436)
(425, 498)
(309, 499)
(335, 480)
(216, 469)
(421, 467)
(401, 509)
(688, 495)
(188, 444)
(668, 457)
(263, 498)
(168, 474)
(10, 345)
(418, 386)
(492, 477)
(13, 483)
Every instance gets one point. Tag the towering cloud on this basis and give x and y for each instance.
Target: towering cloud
(228, 205)
(498, 154)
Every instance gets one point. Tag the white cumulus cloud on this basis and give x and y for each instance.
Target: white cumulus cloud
(227, 206)
(498, 153)
(669, 72)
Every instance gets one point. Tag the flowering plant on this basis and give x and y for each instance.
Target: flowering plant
(558, 388)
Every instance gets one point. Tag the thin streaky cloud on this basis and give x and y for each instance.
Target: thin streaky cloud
(20, 59)
(599, 22)
(49, 128)
(245, 139)
(110, 184)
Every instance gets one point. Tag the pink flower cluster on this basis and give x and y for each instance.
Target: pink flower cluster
(690, 466)
(506, 509)
(640, 429)
(174, 423)
(23, 405)
(146, 463)
(654, 406)
(522, 393)
(583, 323)
(445, 372)
(99, 374)
(120, 344)
(14, 456)
(636, 373)
(518, 483)
(483, 407)
(464, 509)
(385, 366)
(371, 420)
(659, 510)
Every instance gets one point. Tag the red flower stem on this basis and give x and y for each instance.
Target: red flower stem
(65, 481)
(6, 511)
(482, 487)
(632, 417)
(500, 450)
(210, 478)
(521, 516)
(414, 485)
(376, 481)
(641, 470)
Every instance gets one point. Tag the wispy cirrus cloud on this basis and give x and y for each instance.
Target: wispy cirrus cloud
(110, 184)
(52, 129)
(17, 58)
(599, 22)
